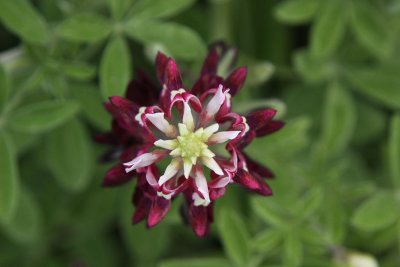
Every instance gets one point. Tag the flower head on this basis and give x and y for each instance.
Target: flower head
(174, 141)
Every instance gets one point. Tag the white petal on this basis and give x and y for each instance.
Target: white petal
(207, 132)
(187, 168)
(216, 102)
(188, 117)
(201, 184)
(198, 201)
(170, 171)
(162, 124)
(176, 152)
(183, 130)
(167, 144)
(207, 153)
(143, 160)
(222, 182)
(212, 164)
(222, 137)
(166, 196)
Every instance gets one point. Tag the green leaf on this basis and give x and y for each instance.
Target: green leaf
(69, 156)
(85, 28)
(296, 11)
(293, 251)
(4, 87)
(209, 262)
(43, 116)
(79, 70)
(25, 225)
(115, 68)
(234, 236)
(394, 149)
(267, 240)
(92, 105)
(371, 28)
(180, 41)
(119, 7)
(9, 189)
(311, 68)
(150, 9)
(308, 204)
(328, 30)
(270, 212)
(20, 17)
(339, 121)
(380, 84)
(377, 212)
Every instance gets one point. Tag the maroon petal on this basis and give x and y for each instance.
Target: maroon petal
(256, 167)
(142, 91)
(270, 128)
(117, 176)
(199, 219)
(210, 64)
(142, 205)
(158, 210)
(236, 80)
(161, 62)
(172, 75)
(252, 183)
(260, 118)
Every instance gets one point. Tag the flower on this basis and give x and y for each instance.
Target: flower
(185, 141)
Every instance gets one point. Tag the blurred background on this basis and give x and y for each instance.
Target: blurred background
(330, 67)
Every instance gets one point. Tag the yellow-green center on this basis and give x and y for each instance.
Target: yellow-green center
(191, 145)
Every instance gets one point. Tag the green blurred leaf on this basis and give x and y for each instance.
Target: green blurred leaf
(329, 28)
(308, 204)
(267, 240)
(234, 236)
(339, 120)
(79, 70)
(119, 7)
(115, 68)
(180, 41)
(377, 212)
(380, 84)
(149, 9)
(293, 251)
(371, 28)
(334, 220)
(85, 28)
(69, 156)
(296, 11)
(209, 262)
(270, 212)
(42, 116)
(312, 69)
(9, 189)
(25, 225)
(22, 18)
(394, 149)
(4, 87)
(92, 105)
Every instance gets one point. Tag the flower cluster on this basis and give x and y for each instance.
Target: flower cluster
(185, 141)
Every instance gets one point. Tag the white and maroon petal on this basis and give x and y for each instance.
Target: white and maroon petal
(214, 104)
(166, 144)
(158, 120)
(188, 116)
(236, 80)
(202, 186)
(170, 171)
(222, 137)
(144, 160)
(212, 165)
(220, 182)
(151, 177)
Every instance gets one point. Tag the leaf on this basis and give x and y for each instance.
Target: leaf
(85, 28)
(9, 189)
(20, 17)
(92, 105)
(25, 225)
(296, 11)
(293, 251)
(379, 84)
(4, 87)
(115, 68)
(267, 240)
(234, 236)
(377, 212)
(308, 204)
(311, 68)
(270, 212)
(79, 70)
(339, 121)
(328, 30)
(42, 116)
(209, 262)
(394, 149)
(119, 7)
(371, 28)
(150, 9)
(69, 156)
(180, 41)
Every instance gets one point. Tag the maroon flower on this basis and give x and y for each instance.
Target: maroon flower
(180, 130)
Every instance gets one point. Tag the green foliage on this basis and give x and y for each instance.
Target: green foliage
(330, 68)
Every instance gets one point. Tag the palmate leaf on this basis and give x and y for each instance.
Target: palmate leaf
(22, 18)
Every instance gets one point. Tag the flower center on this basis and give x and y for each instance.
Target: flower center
(191, 146)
